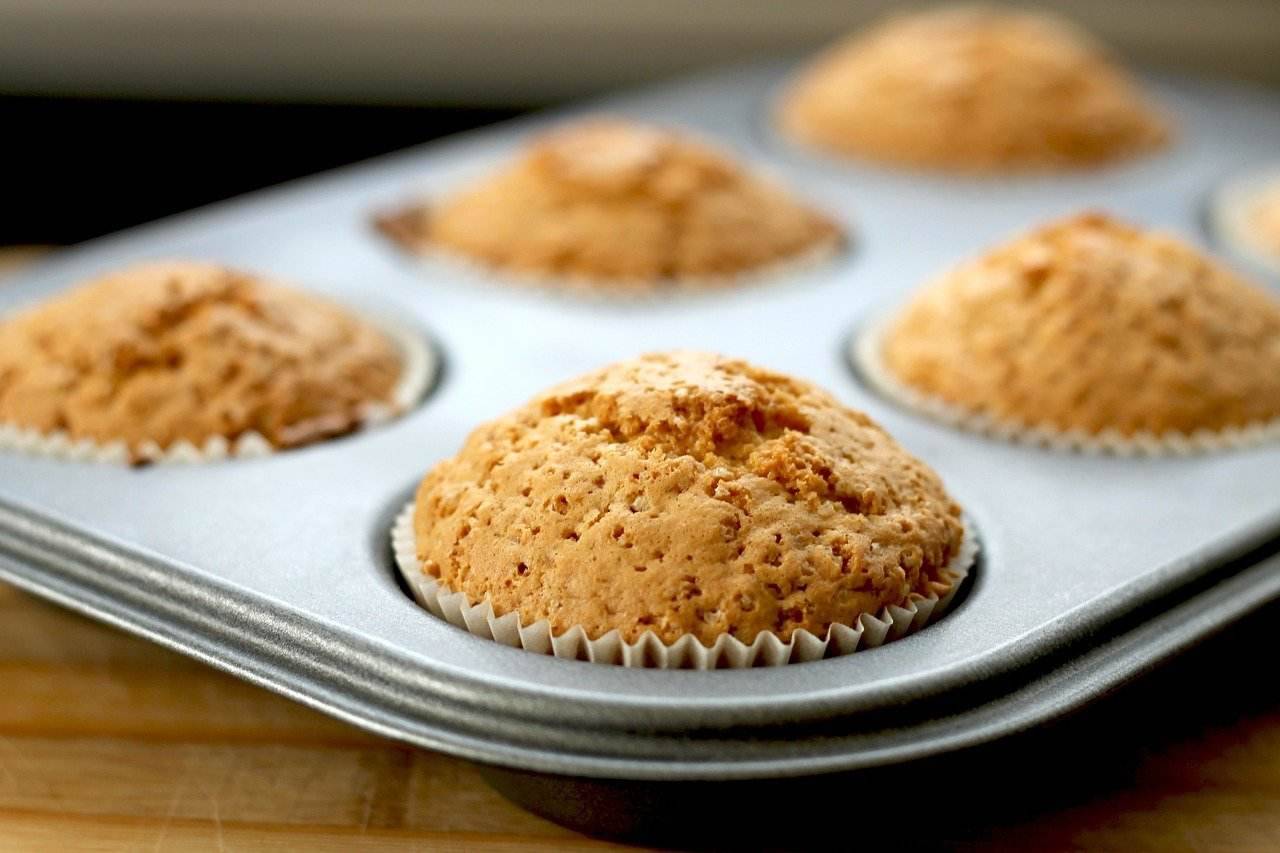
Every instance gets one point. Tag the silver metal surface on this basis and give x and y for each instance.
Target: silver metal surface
(279, 569)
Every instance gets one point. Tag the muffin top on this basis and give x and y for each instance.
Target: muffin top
(971, 89)
(615, 201)
(175, 351)
(686, 493)
(1091, 324)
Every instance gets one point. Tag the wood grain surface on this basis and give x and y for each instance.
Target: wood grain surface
(110, 743)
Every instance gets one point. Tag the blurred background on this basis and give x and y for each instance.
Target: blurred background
(119, 112)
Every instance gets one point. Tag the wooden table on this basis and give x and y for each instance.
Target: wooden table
(110, 743)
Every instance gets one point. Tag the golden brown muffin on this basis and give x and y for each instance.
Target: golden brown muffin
(971, 89)
(686, 493)
(170, 352)
(1090, 324)
(1264, 221)
(616, 201)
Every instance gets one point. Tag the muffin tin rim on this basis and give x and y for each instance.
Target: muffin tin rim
(120, 565)
(1171, 627)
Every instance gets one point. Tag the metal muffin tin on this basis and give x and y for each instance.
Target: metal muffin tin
(278, 569)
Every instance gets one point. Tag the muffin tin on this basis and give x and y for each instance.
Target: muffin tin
(279, 568)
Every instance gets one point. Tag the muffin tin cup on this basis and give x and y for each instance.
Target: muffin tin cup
(419, 368)
(727, 652)
(865, 350)
(620, 289)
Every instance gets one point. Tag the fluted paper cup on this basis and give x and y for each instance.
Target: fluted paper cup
(480, 619)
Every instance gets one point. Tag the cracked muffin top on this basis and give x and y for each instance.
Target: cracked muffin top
(686, 493)
(972, 89)
(174, 351)
(1091, 324)
(614, 201)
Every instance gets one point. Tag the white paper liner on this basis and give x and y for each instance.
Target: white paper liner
(865, 351)
(1230, 209)
(728, 652)
(419, 365)
(623, 289)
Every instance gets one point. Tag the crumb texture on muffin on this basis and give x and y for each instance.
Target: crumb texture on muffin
(614, 201)
(972, 89)
(179, 351)
(686, 493)
(1090, 324)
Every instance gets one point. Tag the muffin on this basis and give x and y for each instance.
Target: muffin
(614, 203)
(1246, 215)
(687, 495)
(194, 355)
(971, 89)
(1264, 220)
(1090, 326)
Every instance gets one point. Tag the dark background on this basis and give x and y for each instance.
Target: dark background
(80, 168)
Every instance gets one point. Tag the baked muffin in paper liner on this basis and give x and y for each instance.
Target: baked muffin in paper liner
(971, 89)
(1245, 216)
(185, 362)
(684, 509)
(1087, 334)
(613, 208)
